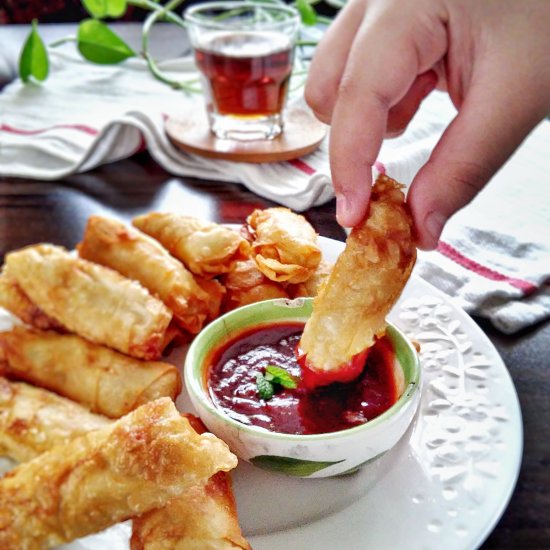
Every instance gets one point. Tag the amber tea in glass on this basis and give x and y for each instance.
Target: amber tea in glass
(244, 53)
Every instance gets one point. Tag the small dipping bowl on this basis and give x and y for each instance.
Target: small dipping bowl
(308, 456)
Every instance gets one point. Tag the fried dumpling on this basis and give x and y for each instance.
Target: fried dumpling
(284, 245)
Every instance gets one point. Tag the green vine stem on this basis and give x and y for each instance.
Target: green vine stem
(165, 12)
(306, 43)
(167, 15)
(159, 13)
(61, 41)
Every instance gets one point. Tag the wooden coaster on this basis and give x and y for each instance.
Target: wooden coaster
(302, 134)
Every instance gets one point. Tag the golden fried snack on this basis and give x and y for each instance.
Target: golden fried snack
(203, 518)
(33, 420)
(246, 284)
(366, 281)
(95, 302)
(284, 245)
(125, 469)
(174, 335)
(17, 302)
(206, 248)
(216, 292)
(137, 256)
(105, 381)
(313, 285)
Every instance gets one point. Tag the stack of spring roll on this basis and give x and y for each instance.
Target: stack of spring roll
(86, 472)
(93, 330)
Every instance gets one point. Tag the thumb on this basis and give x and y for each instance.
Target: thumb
(487, 130)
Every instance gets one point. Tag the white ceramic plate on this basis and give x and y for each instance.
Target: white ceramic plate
(445, 485)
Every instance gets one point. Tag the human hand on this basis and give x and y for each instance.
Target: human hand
(379, 60)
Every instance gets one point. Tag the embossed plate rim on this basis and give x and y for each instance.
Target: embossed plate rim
(406, 523)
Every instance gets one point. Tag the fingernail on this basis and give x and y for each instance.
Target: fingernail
(433, 225)
(343, 211)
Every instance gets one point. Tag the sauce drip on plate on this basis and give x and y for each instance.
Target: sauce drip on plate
(236, 365)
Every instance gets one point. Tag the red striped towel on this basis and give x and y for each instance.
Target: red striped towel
(86, 115)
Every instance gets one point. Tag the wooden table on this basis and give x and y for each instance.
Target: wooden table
(56, 212)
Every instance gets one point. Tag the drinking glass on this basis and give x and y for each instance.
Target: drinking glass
(244, 52)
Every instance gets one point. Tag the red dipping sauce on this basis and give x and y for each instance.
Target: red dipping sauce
(235, 366)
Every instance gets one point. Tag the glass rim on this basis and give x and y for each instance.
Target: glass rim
(190, 13)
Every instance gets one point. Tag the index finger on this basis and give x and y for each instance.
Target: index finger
(323, 78)
(377, 76)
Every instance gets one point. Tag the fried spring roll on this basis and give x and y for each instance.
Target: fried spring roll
(206, 248)
(33, 420)
(246, 284)
(313, 285)
(175, 336)
(216, 292)
(137, 256)
(125, 469)
(17, 302)
(95, 302)
(105, 381)
(366, 281)
(204, 518)
(284, 245)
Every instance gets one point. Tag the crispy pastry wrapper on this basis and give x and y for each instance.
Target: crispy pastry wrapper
(313, 285)
(17, 302)
(174, 336)
(138, 256)
(216, 292)
(105, 381)
(33, 420)
(95, 302)
(284, 245)
(204, 518)
(127, 468)
(246, 284)
(206, 248)
(366, 281)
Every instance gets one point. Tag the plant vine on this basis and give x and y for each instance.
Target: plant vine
(98, 43)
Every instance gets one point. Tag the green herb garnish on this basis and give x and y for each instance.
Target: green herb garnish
(265, 387)
(274, 376)
(277, 375)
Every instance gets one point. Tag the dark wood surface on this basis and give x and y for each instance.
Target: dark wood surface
(32, 211)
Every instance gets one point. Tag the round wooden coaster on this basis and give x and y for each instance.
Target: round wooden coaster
(302, 134)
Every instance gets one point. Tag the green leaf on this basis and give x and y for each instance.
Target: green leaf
(290, 466)
(34, 57)
(105, 8)
(265, 387)
(99, 44)
(307, 12)
(280, 376)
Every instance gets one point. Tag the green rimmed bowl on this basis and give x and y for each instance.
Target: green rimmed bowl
(312, 456)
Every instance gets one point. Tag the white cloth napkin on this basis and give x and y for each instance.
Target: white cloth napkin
(493, 258)
(86, 115)
(494, 255)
